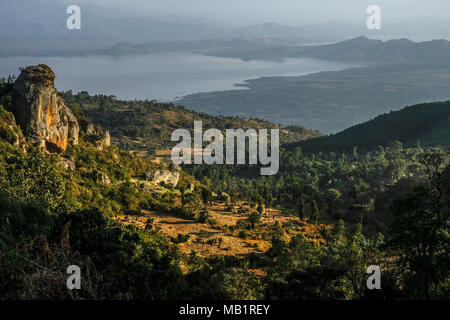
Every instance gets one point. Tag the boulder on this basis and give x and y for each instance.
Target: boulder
(67, 164)
(101, 177)
(163, 176)
(40, 112)
(105, 141)
(87, 127)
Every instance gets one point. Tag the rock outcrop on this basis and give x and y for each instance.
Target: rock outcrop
(40, 112)
(101, 177)
(67, 163)
(163, 176)
(95, 134)
(174, 167)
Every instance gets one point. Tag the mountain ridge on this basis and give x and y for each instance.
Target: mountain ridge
(358, 49)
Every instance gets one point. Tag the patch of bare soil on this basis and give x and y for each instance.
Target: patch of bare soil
(206, 239)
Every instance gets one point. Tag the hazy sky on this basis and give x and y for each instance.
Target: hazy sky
(293, 12)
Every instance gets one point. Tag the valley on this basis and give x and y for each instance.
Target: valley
(85, 180)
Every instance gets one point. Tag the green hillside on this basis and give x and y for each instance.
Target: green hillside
(148, 125)
(423, 125)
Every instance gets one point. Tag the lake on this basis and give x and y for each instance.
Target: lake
(161, 76)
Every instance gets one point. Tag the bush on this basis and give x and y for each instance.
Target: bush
(181, 238)
(254, 218)
(203, 216)
(243, 234)
(21, 220)
(133, 262)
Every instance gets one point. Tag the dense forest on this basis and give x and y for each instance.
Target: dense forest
(387, 205)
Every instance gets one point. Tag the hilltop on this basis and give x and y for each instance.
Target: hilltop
(373, 51)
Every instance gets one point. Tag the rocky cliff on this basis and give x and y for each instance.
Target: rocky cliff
(40, 112)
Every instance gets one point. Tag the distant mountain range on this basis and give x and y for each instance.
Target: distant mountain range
(38, 27)
(360, 49)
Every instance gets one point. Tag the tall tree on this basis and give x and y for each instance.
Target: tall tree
(420, 238)
(314, 212)
(301, 208)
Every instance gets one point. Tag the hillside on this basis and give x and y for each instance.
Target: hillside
(68, 197)
(423, 125)
(148, 125)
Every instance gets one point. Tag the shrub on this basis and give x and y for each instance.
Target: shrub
(181, 238)
(243, 234)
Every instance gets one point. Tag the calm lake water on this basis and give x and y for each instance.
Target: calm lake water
(161, 76)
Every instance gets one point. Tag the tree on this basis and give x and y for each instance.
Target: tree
(301, 208)
(260, 208)
(332, 195)
(314, 212)
(420, 238)
(34, 176)
(269, 200)
(254, 218)
(206, 195)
